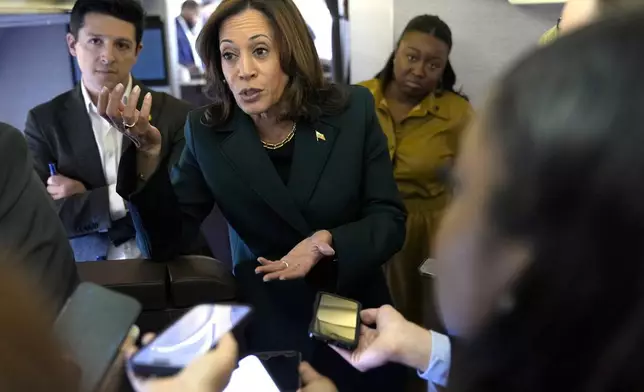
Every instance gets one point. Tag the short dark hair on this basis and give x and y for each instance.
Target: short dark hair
(127, 10)
(189, 5)
(306, 96)
(566, 123)
(431, 25)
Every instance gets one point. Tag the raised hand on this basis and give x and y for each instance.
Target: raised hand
(129, 120)
(210, 372)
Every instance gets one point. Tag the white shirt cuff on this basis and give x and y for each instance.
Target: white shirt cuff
(439, 360)
(117, 205)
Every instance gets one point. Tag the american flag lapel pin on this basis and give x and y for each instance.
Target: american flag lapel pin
(319, 136)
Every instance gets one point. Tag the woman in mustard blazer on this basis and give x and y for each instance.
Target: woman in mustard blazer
(422, 116)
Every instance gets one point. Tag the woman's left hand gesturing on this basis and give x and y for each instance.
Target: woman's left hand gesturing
(299, 261)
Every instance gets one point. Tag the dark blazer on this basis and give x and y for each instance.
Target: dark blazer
(30, 231)
(60, 132)
(342, 182)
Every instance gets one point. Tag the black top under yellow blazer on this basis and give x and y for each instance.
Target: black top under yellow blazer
(341, 180)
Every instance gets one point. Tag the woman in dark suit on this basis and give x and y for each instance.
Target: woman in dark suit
(299, 167)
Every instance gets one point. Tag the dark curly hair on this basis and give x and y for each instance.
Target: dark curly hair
(432, 25)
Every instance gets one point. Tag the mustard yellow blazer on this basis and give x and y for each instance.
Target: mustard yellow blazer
(424, 141)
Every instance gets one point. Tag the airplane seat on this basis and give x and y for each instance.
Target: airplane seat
(165, 290)
(199, 279)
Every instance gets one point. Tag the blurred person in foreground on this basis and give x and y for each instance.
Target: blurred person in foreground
(299, 167)
(577, 13)
(29, 225)
(32, 360)
(540, 262)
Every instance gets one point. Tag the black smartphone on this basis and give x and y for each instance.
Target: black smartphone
(283, 367)
(194, 334)
(336, 320)
(91, 328)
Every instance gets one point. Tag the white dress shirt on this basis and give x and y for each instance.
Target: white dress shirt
(109, 142)
(439, 362)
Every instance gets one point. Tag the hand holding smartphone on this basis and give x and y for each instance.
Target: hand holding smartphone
(193, 335)
(336, 321)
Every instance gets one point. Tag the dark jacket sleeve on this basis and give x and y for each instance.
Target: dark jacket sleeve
(81, 214)
(29, 228)
(168, 210)
(364, 245)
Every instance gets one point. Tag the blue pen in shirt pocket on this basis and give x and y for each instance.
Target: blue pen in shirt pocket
(52, 169)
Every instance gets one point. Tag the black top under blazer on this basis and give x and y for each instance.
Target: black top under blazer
(341, 180)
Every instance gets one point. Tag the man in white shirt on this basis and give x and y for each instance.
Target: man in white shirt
(189, 26)
(77, 152)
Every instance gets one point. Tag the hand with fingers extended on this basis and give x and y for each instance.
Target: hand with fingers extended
(300, 260)
(208, 373)
(394, 339)
(312, 381)
(132, 122)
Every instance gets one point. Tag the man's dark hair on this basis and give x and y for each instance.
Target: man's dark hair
(189, 5)
(127, 10)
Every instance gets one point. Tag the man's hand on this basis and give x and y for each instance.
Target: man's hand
(299, 261)
(60, 187)
(393, 340)
(312, 381)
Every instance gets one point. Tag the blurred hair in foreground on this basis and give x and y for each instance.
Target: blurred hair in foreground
(30, 358)
(568, 126)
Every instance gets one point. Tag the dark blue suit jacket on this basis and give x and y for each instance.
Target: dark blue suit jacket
(343, 183)
(183, 46)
